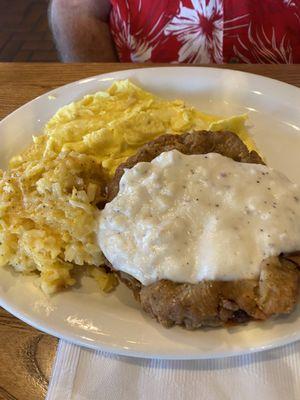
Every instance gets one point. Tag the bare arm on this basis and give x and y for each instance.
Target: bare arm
(81, 31)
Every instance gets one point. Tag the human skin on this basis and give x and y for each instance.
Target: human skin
(81, 30)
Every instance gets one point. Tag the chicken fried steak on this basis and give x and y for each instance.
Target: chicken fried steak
(212, 302)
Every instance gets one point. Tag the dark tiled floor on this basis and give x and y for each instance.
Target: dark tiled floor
(24, 31)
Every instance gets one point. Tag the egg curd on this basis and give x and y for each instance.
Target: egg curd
(49, 195)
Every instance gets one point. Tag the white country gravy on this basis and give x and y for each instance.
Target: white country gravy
(189, 218)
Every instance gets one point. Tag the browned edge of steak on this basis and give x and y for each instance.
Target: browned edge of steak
(220, 303)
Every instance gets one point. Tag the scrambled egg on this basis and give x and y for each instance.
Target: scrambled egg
(49, 194)
(112, 125)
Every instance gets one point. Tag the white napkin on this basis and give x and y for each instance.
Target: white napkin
(82, 374)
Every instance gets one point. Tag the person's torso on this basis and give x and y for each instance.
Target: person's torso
(207, 31)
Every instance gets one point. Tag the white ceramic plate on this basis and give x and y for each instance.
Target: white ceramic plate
(115, 322)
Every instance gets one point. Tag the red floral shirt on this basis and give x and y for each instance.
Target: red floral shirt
(207, 31)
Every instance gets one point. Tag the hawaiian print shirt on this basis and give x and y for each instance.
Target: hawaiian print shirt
(207, 31)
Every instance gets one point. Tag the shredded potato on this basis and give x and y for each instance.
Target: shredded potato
(48, 215)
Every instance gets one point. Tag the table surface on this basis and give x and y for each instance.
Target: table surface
(26, 354)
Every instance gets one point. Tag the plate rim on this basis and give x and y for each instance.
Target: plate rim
(119, 350)
(107, 74)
